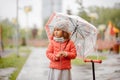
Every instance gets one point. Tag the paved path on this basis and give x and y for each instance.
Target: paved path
(36, 68)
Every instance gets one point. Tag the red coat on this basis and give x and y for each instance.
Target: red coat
(64, 62)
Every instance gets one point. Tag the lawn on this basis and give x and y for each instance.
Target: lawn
(13, 61)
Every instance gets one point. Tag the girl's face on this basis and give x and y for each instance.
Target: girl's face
(58, 33)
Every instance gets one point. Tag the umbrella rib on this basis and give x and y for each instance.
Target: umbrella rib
(81, 34)
(74, 26)
(83, 42)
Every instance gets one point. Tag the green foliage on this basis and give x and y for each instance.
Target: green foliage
(104, 14)
(13, 61)
(7, 31)
(115, 18)
(84, 16)
(107, 14)
(96, 57)
(43, 35)
(22, 33)
(78, 61)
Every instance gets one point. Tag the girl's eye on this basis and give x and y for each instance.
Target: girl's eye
(57, 29)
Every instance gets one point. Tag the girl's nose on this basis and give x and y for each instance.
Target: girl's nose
(55, 33)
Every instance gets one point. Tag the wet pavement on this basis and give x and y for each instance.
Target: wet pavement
(5, 73)
(108, 70)
(36, 68)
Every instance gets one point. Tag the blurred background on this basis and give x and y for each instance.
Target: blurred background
(22, 21)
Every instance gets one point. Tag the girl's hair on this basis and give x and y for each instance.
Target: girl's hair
(65, 34)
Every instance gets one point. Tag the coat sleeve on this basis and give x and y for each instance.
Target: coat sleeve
(50, 52)
(72, 53)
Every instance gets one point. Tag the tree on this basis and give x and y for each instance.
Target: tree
(23, 37)
(106, 15)
(7, 31)
(1, 40)
(82, 13)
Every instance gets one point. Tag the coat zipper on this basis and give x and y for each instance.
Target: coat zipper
(60, 57)
(62, 50)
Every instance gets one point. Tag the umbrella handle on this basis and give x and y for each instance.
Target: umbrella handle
(95, 61)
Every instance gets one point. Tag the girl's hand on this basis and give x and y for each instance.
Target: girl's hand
(59, 54)
(64, 54)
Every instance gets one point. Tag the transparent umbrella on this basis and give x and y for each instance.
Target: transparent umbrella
(83, 33)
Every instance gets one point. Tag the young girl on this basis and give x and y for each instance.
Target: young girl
(60, 51)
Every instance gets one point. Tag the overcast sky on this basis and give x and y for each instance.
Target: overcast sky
(8, 9)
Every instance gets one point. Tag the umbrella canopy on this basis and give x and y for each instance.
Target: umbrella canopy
(83, 34)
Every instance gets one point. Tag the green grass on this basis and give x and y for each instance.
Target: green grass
(96, 57)
(79, 61)
(13, 61)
